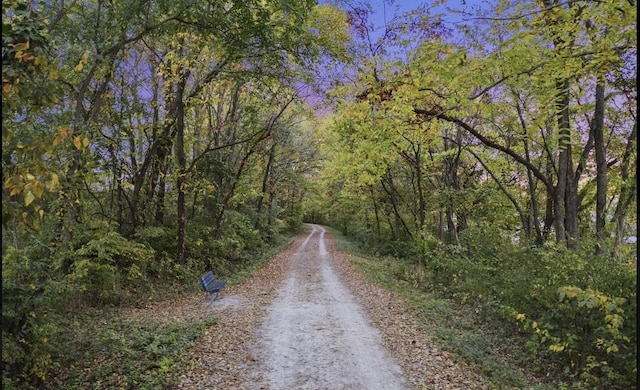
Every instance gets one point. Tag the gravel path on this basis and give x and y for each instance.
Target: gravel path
(310, 320)
(316, 335)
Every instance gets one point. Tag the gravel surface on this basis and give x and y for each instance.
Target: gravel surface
(316, 335)
(310, 320)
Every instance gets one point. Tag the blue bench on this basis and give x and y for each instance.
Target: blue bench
(211, 285)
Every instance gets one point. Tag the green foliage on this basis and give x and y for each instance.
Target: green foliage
(108, 268)
(237, 242)
(157, 237)
(291, 221)
(239, 239)
(590, 333)
(27, 60)
(28, 323)
(162, 240)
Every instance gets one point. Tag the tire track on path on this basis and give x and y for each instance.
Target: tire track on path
(316, 335)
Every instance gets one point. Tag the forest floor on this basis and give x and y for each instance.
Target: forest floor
(310, 320)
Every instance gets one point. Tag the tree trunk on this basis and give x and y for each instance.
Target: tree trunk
(265, 185)
(376, 211)
(565, 208)
(391, 191)
(531, 185)
(601, 165)
(628, 192)
(421, 203)
(182, 172)
(450, 167)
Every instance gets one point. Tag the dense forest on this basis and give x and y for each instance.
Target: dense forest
(494, 155)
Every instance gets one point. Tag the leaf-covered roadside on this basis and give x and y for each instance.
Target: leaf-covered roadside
(102, 349)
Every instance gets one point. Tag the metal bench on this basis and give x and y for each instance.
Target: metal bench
(211, 285)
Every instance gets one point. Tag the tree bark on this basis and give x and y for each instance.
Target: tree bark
(182, 170)
(597, 128)
(265, 185)
(629, 188)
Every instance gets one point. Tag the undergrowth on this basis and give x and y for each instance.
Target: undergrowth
(98, 351)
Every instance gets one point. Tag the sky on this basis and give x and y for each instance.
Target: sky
(384, 11)
(382, 7)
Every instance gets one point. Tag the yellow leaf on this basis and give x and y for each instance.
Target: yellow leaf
(15, 191)
(8, 183)
(38, 189)
(78, 67)
(77, 142)
(28, 198)
(85, 142)
(6, 88)
(612, 348)
(556, 347)
(21, 46)
(53, 183)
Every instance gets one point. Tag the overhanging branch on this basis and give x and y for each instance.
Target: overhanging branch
(487, 141)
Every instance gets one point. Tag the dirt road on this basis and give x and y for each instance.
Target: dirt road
(316, 336)
(309, 320)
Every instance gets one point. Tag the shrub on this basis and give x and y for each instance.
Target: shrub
(107, 269)
(160, 238)
(580, 310)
